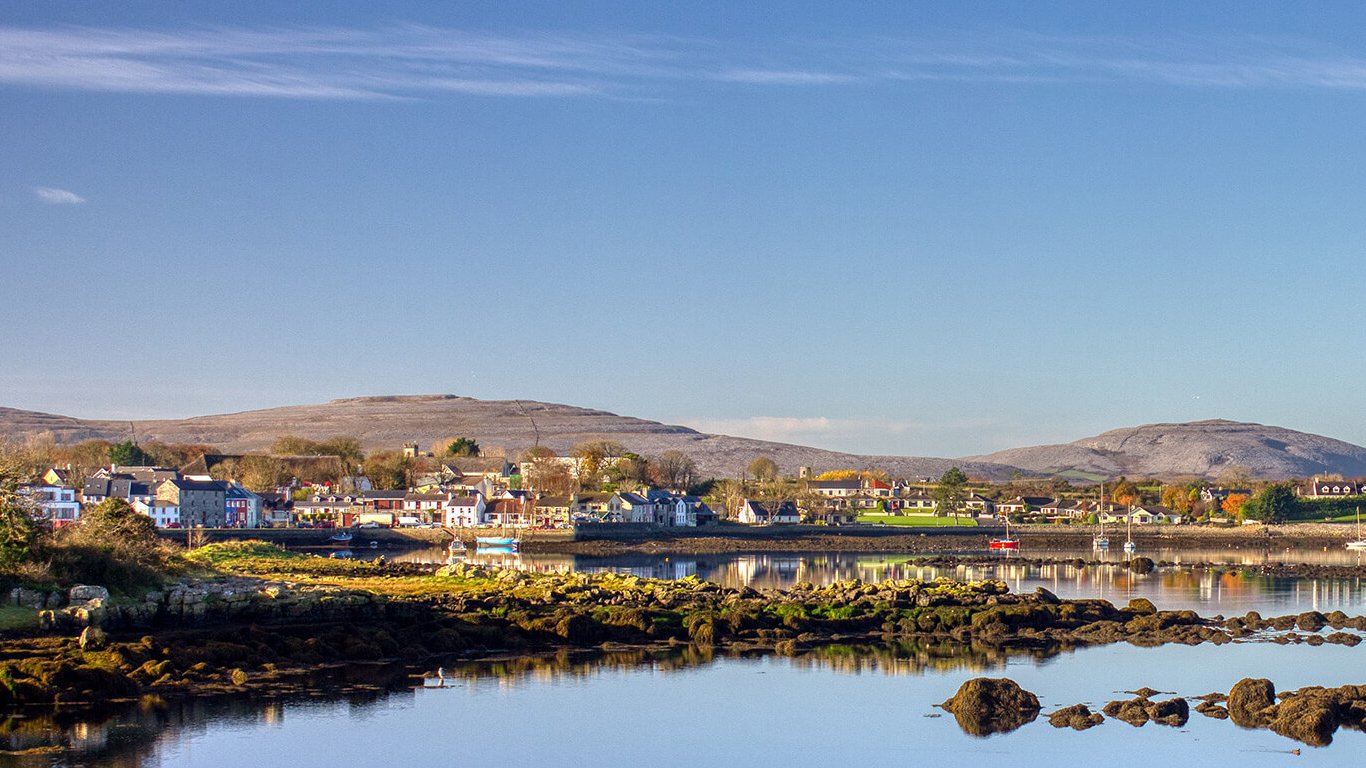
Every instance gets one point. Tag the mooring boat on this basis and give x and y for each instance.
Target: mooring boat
(341, 537)
(508, 542)
(1005, 543)
(1360, 543)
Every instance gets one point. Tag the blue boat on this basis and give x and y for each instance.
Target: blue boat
(507, 542)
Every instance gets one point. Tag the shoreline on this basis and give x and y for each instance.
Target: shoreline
(270, 624)
(728, 537)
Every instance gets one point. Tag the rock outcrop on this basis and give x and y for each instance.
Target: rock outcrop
(983, 706)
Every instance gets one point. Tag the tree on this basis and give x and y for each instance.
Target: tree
(262, 473)
(676, 470)
(594, 457)
(18, 530)
(1275, 504)
(1125, 493)
(462, 447)
(1234, 505)
(1178, 498)
(951, 493)
(764, 469)
(389, 469)
(114, 520)
(128, 454)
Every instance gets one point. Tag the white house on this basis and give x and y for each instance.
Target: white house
(166, 514)
(55, 503)
(464, 511)
(768, 512)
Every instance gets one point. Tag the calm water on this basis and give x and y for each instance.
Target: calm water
(1221, 589)
(838, 706)
(821, 710)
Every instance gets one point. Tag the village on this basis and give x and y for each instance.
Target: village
(562, 492)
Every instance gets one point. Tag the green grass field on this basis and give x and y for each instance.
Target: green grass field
(919, 521)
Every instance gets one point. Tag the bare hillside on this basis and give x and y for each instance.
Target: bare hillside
(507, 425)
(1202, 448)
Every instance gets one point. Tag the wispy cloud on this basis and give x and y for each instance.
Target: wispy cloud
(54, 196)
(821, 430)
(410, 61)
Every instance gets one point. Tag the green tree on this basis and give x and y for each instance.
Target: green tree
(1274, 504)
(763, 469)
(462, 446)
(19, 533)
(128, 454)
(114, 520)
(951, 493)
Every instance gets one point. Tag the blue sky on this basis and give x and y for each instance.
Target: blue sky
(929, 229)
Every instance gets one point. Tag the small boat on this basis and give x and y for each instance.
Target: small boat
(509, 542)
(1005, 543)
(1129, 546)
(340, 537)
(1360, 543)
(1101, 541)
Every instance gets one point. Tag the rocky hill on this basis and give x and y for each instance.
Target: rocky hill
(1204, 448)
(497, 425)
(1207, 449)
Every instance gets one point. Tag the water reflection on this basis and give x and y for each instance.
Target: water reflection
(143, 732)
(1222, 582)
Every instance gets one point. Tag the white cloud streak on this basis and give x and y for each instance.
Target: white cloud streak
(54, 196)
(409, 61)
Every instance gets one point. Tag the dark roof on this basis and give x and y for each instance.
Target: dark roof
(198, 485)
(849, 484)
(553, 501)
(117, 487)
(384, 494)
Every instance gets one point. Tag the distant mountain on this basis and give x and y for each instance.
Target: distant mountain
(507, 425)
(1206, 449)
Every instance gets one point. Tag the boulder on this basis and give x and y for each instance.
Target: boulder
(1141, 565)
(93, 639)
(1311, 621)
(1139, 711)
(1141, 606)
(1077, 717)
(83, 592)
(1308, 717)
(983, 706)
(1249, 700)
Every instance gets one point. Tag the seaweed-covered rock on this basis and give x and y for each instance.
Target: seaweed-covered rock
(1311, 621)
(1139, 711)
(1141, 606)
(1210, 709)
(1078, 717)
(984, 706)
(1141, 565)
(1249, 700)
(1307, 716)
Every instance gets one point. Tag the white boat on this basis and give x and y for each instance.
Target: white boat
(1101, 541)
(502, 542)
(1360, 543)
(1129, 546)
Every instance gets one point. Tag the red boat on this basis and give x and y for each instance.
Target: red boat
(1005, 543)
